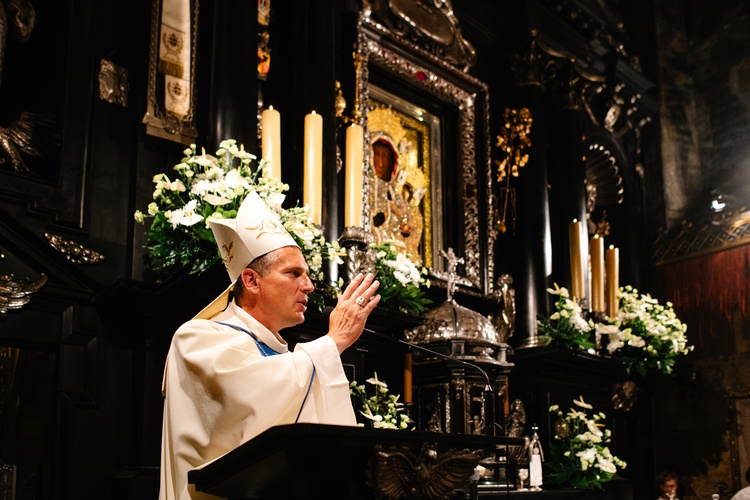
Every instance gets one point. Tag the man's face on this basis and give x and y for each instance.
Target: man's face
(282, 292)
(667, 488)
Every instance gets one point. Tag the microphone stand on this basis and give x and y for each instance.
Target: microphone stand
(488, 395)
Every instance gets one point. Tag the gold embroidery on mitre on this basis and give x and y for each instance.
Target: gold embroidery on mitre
(267, 226)
(226, 253)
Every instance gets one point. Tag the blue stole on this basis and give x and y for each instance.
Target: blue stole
(266, 351)
(263, 348)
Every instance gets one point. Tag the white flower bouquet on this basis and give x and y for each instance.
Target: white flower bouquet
(566, 326)
(205, 187)
(579, 454)
(381, 410)
(402, 283)
(645, 335)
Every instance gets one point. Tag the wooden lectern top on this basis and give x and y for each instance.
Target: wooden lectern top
(315, 460)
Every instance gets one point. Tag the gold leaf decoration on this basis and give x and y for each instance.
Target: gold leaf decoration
(514, 140)
(74, 252)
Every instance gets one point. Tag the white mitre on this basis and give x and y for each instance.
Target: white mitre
(255, 232)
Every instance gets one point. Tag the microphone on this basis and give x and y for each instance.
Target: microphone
(488, 395)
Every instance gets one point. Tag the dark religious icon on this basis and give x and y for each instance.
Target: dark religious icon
(398, 182)
(31, 133)
(399, 473)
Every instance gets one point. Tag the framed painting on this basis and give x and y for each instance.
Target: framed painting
(404, 142)
(428, 174)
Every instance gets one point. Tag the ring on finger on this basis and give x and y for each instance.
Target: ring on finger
(361, 301)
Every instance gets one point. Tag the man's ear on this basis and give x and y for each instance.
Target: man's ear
(250, 280)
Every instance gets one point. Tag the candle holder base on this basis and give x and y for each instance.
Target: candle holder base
(408, 409)
(532, 341)
(597, 317)
(583, 303)
(503, 355)
(359, 258)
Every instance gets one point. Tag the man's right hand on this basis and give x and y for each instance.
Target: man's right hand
(355, 304)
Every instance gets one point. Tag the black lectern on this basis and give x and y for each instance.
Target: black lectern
(328, 461)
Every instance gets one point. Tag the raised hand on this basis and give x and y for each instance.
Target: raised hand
(354, 306)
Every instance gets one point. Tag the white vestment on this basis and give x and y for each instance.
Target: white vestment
(220, 391)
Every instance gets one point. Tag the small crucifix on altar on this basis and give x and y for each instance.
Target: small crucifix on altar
(453, 262)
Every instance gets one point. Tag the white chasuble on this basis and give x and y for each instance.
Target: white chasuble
(220, 391)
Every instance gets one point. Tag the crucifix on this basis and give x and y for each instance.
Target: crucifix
(453, 262)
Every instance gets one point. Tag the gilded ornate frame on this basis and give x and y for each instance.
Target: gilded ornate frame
(468, 99)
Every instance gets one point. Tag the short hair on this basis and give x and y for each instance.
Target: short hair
(747, 475)
(664, 476)
(261, 265)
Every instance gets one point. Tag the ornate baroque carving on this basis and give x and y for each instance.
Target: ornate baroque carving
(14, 292)
(399, 473)
(74, 252)
(429, 24)
(535, 66)
(371, 50)
(113, 83)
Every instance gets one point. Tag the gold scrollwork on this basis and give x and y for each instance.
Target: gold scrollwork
(514, 141)
(74, 252)
(267, 226)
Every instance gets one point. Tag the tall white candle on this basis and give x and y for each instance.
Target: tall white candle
(613, 280)
(353, 181)
(596, 252)
(313, 166)
(575, 235)
(270, 140)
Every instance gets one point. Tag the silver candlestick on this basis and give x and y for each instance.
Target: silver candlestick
(359, 258)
